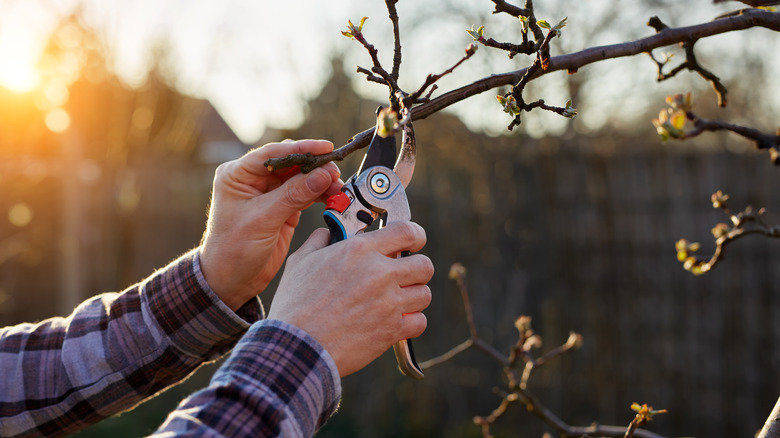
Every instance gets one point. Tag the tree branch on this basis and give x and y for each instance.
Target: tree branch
(744, 223)
(574, 61)
(432, 78)
(762, 139)
(393, 13)
(518, 392)
(690, 64)
(570, 62)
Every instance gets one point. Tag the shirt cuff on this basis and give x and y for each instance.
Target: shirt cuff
(189, 313)
(291, 364)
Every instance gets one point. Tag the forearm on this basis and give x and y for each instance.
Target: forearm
(278, 382)
(114, 351)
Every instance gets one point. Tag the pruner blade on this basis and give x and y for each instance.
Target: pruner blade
(404, 166)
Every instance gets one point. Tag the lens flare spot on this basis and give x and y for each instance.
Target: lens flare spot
(20, 214)
(57, 120)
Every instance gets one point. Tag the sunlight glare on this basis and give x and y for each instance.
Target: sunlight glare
(18, 75)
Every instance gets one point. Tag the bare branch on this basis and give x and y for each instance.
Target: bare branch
(526, 48)
(393, 13)
(690, 64)
(574, 61)
(744, 223)
(528, 11)
(309, 162)
(432, 78)
(377, 68)
(762, 139)
(371, 77)
(502, 6)
(517, 390)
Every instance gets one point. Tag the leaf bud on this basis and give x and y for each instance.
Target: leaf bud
(457, 270)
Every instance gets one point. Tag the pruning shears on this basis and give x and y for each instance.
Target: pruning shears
(377, 191)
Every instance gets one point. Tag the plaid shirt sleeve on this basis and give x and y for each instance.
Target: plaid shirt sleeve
(113, 351)
(278, 382)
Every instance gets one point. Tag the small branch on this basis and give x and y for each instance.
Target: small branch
(309, 162)
(528, 11)
(541, 62)
(503, 6)
(463, 346)
(762, 139)
(396, 37)
(690, 64)
(527, 48)
(377, 68)
(518, 393)
(432, 78)
(743, 223)
(371, 77)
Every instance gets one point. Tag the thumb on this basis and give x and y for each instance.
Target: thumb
(297, 193)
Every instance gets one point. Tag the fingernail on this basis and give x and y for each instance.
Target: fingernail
(318, 180)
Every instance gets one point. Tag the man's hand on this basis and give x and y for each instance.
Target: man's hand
(354, 297)
(253, 215)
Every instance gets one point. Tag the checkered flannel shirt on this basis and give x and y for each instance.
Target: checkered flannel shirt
(117, 349)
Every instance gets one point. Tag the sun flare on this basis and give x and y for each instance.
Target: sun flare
(19, 76)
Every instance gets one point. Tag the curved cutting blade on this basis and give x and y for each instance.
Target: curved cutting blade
(404, 167)
(381, 152)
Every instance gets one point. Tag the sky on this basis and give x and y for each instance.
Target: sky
(258, 61)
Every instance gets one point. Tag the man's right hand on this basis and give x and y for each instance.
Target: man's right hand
(354, 297)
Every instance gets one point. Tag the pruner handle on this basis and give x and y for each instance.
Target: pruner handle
(404, 354)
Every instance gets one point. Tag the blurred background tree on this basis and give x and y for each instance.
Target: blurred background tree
(104, 179)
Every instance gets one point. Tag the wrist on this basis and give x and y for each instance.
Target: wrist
(219, 280)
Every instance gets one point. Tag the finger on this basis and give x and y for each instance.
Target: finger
(416, 298)
(415, 269)
(334, 189)
(412, 325)
(397, 237)
(289, 172)
(295, 195)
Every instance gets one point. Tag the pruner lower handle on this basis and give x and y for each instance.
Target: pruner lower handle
(404, 354)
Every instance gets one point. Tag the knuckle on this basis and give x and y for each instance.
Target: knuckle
(223, 170)
(426, 266)
(289, 196)
(410, 233)
(419, 325)
(427, 295)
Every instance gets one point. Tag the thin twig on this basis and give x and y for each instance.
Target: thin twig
(744, 223)
(433, 78)
(393, 13)
(691, 63)
(377, 68)
(762, 139)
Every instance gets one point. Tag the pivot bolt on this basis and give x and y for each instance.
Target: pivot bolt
(380, 183)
